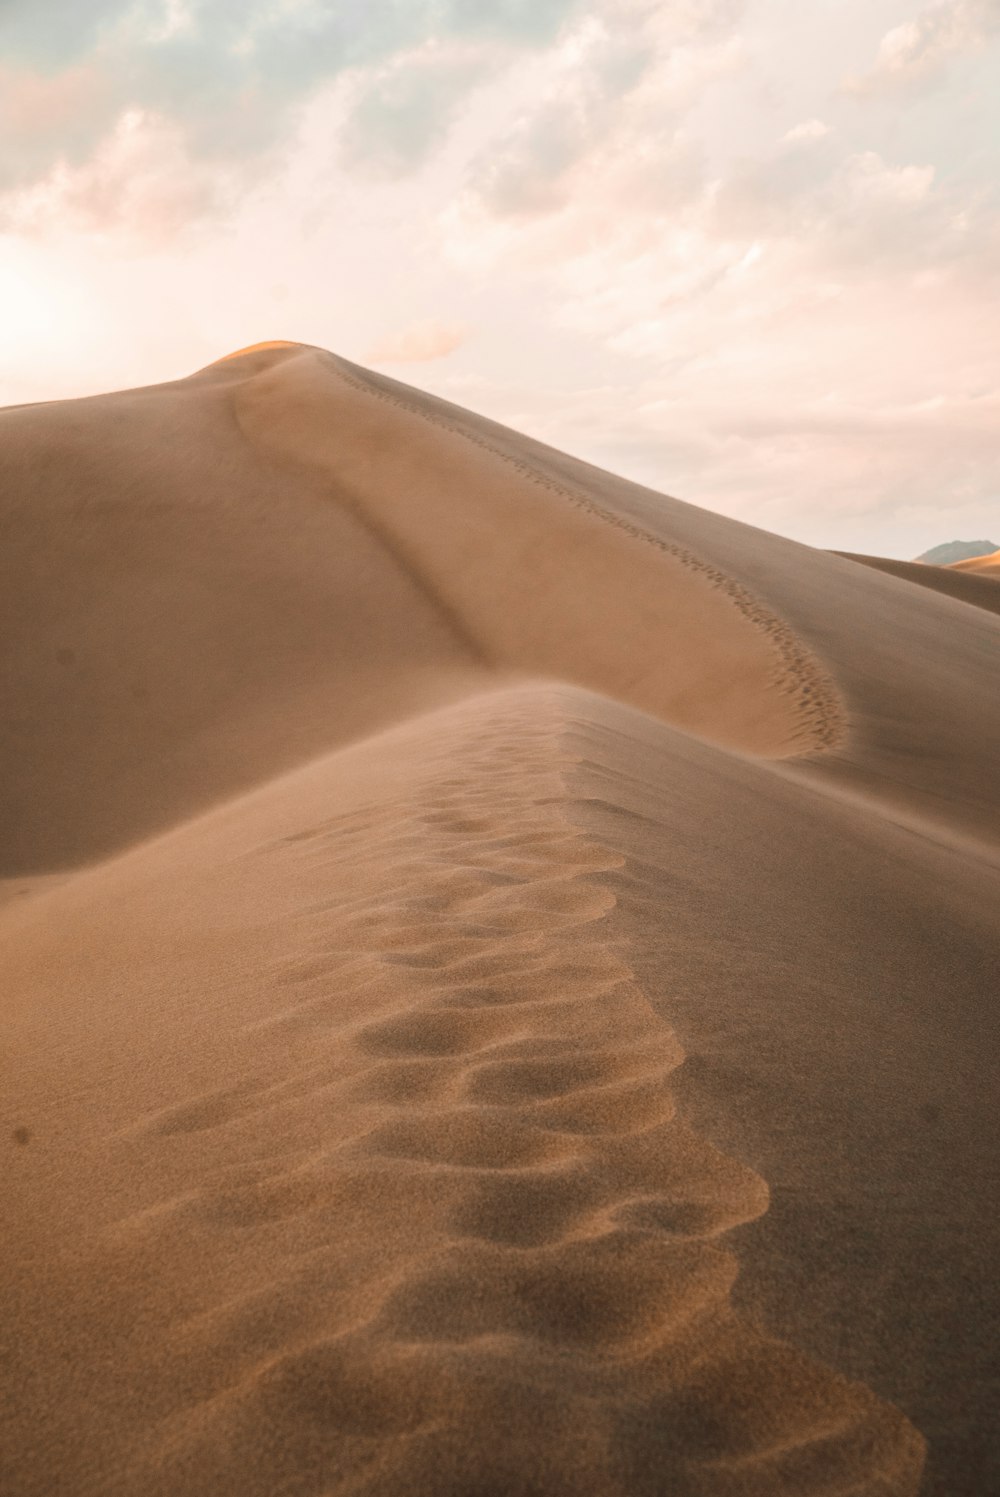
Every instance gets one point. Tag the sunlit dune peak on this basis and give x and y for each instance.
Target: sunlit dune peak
(240, 353)
(986, 566)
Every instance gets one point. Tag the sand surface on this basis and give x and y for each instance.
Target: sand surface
(988, 565)
(955, 580)
(499, 970)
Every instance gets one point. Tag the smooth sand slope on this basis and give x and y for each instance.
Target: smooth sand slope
(952, 580)
(499, 971)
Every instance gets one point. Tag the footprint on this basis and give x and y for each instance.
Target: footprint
(470, 1138)
(622, 1107)
(624, 1292)
(761, 1418)
(528, 1208)
(434, 1031)
(509, 1082)
(350, 1388)
(404, 1081)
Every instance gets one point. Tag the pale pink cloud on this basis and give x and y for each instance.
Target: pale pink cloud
(38, 104)
(419, 343)
(138, 183)
(918, 48)
(46, 119)
(805, 132)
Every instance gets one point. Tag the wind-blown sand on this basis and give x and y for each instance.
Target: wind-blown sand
(500, 971)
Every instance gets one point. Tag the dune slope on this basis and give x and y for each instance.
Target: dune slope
(989, 565)
(954, 582)
(425, 1180)
(498, 971)
(180, 622)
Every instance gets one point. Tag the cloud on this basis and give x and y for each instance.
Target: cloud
(806, 132)
(139, 180)
(530, 172)
(850, 217)
(57, 33)
(404, 110)
(525, 21)
(917, 50)
(226, 82)
(584, 91)
(612, 100)
(420, 343)
(228, 78)
(798, 329)
(44, 119)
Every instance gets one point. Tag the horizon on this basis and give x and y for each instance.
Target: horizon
(737, 253)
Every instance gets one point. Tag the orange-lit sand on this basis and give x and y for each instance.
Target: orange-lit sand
(264, 347)
(500, 971)
(989, 565)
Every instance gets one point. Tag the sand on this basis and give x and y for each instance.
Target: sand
(954, 580)
(988, 565)
(499, 970)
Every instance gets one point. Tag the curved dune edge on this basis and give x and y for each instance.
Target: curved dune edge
(462, 1243)
(797, 671)
(266, 346)
(963, 586)
(988, 565)
(442, 498)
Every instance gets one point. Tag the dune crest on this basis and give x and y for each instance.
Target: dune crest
(988, 565)
(481, 528)
(955, 582)
(455, 1198)
(267, 346)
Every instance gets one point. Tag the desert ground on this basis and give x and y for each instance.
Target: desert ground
(499, 969)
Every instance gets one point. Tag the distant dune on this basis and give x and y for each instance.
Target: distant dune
(988, 566)
(499, 970)
(958, 580)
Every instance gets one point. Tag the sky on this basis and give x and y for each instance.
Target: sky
(746, 252)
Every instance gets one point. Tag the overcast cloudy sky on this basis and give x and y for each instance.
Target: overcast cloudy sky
(745, 251)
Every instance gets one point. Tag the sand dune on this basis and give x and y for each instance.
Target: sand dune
(498, 970)
(988, 565)
(952, 580)
(948, 580)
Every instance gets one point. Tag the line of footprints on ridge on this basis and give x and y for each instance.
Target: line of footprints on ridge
(502, 1132)
(798, 673)
(523, 1052)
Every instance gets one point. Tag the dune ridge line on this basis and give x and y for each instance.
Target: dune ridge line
(291, 410)
(797, 670)
(524, 1289)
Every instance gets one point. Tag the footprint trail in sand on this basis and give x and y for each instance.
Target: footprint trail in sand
(488, 1204)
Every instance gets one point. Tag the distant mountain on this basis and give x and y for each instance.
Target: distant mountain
(944, 555)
